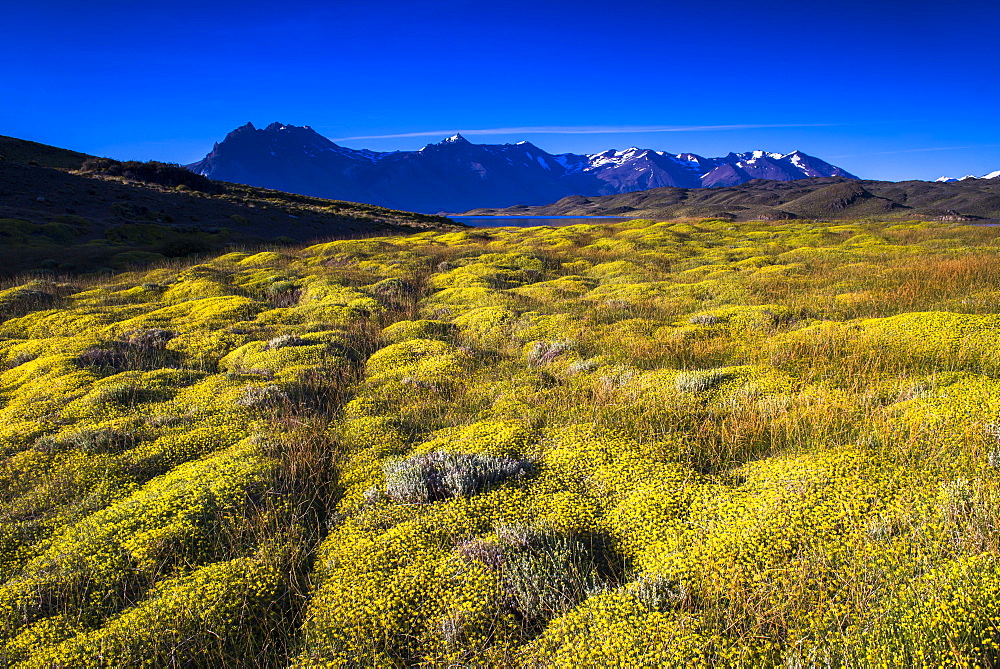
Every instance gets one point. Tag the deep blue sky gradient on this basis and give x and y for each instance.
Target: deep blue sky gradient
(887, 90)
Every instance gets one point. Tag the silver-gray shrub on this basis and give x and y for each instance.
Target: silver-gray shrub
(92, 441)
(544, 352)
(704, 319)
(582, 366)
(431, 477)
(263, 397)
(992, 432)
(283, 341)
(700, 380)
(546, 572)
(659, 593)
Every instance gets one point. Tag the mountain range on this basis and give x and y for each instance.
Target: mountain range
(456, 175)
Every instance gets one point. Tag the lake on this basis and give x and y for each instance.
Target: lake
(532, 221)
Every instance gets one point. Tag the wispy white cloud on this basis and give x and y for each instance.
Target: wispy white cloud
(582, 130)
(933, 148)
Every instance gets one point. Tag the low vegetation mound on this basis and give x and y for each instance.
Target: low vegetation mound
(640, 444)
(151, 172)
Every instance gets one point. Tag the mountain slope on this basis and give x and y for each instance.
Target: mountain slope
(824, 198)
(455, 174)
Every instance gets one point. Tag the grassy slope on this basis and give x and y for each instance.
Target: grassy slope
(22, 151)
(56, 220)
(825, 198)
(756, 444)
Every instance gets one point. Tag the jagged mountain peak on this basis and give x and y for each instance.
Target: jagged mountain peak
(282, 127)
(249, 130)
(757, 154)
(454, 142)
(244, 129)
(528, 146)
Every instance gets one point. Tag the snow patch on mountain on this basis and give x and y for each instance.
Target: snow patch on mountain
(991, 175)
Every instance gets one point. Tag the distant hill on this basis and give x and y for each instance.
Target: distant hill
(54, 219)
(455, 174)
(820, 198)
(32, 153)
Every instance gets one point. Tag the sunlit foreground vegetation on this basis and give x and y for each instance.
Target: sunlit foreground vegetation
(640, 444)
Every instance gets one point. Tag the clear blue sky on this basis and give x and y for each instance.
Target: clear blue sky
(887, 90)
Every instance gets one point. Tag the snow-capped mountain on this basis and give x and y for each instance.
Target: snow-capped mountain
(991, 175)
(457, 175)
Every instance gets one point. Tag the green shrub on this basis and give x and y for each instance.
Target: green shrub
(284, 293)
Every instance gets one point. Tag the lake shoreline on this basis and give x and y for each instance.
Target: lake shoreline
(533, 221)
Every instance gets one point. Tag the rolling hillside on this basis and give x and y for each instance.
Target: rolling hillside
(819, 198)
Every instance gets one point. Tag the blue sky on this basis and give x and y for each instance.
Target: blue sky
(887, 90)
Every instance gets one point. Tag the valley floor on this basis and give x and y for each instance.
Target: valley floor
(631, 444)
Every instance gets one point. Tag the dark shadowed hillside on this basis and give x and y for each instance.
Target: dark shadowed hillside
(25, 152)
(52, 219)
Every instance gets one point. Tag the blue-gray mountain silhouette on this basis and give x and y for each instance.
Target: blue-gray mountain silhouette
(455, 175)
